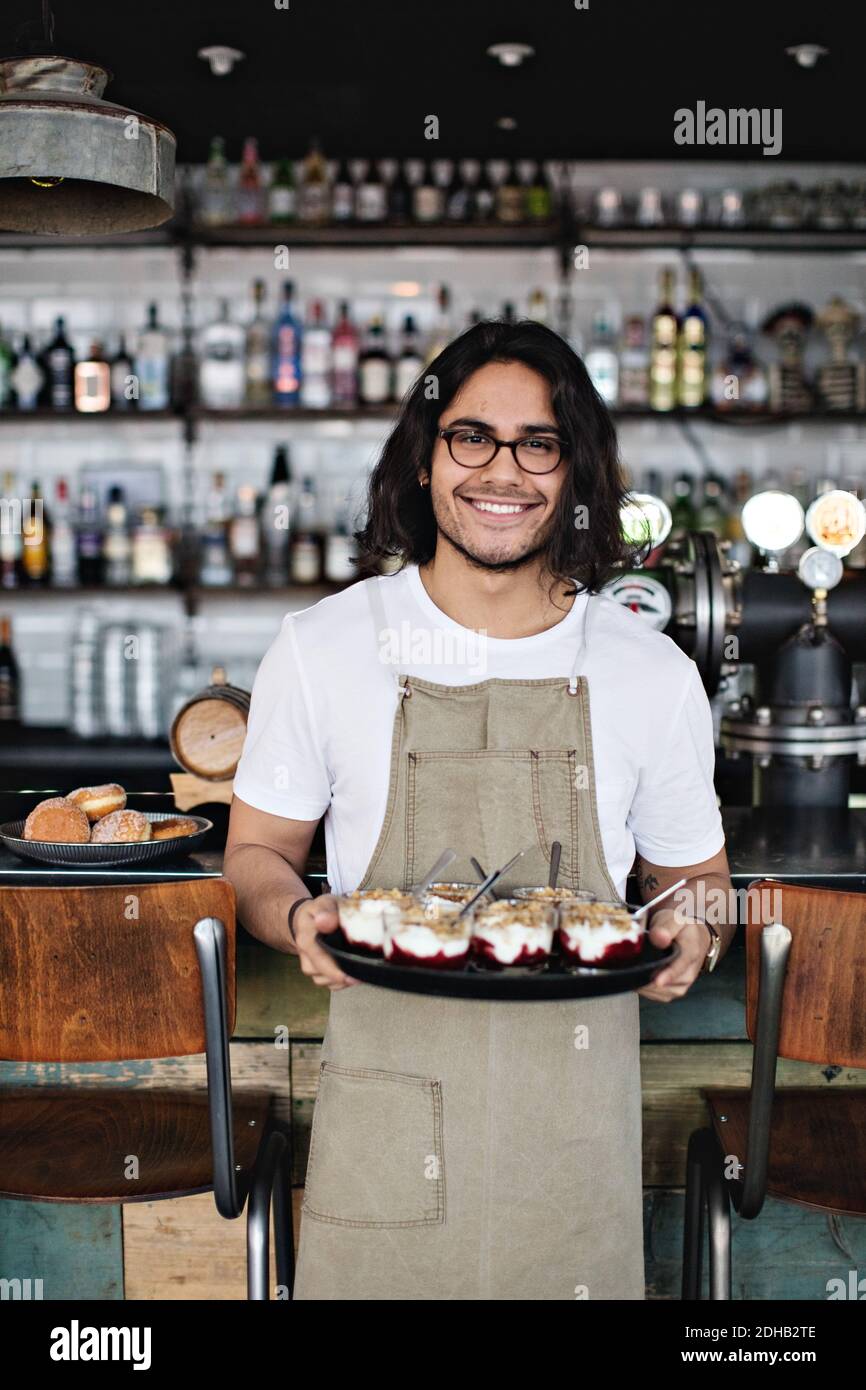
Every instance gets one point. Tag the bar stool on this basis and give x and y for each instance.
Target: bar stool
(806, 1001)
(109, 974)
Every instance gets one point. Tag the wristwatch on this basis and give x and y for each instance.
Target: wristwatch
(711, 959)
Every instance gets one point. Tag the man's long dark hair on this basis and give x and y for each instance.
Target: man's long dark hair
(400, 519)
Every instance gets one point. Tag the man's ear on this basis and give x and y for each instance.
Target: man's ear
(424, 479)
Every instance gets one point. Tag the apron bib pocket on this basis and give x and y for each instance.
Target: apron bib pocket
(513, 798)
(392, 1171)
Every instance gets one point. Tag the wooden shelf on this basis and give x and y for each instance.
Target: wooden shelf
(46, 416)
(757, 239)
(376, 235)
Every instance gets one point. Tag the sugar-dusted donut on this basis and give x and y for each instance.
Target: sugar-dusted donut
(170, 829)
(121, 827)
(57, 820)
(100, 801)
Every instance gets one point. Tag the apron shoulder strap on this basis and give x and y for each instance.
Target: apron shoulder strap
(379, 621)
(589, 609)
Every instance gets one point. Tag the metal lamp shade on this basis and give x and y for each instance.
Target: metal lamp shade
(72, 163)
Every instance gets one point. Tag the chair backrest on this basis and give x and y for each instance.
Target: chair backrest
(824, 1000)
(107, 973)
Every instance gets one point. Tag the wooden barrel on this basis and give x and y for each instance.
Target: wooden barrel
(209, 730)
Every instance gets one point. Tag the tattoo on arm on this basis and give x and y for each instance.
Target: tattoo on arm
(647, 882)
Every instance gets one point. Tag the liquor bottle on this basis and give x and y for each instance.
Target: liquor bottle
(409, 361)
(340, 555)
(343, 194)
(712, 513)
(634, 365)
(251, 194)
(35, 527)
(151, 552)
(738, 381)
(509, 314)
(314, 197)
(316, 361)
(305, 548)
(286, 344)
(244, 537)
(282, 194)
(601, 360)
(123, 395)
(682, 505)
(215, 561)
(89, 539)
(64, 561)
(457, 197)
(740, 548)
(443, 328)
(692, 349)
(276, 521)
(483, 196)
(663, 352)
(10, 539)
(116, 540)
(58, 361)
(10, 679)
(215, 209)
(7, 362)
(509, 197)
(258, 352)
(222, 374)
(538, 308)
(428, 203)
(371, 202)
(27, 378)
(152, 365)
(539, 197)
(374, 367)
(93, 382)
(399, 196)
(344, 348)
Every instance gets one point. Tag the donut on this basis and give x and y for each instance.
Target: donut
(59, 820)
(170, 829)
(121, 827)
(97, 802)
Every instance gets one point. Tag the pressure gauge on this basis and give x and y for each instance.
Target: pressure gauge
(836, 521)
(773, 520)
(819, 568)
(645, 517)
(643, 595)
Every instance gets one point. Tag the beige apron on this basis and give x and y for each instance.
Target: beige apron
(464, 1149)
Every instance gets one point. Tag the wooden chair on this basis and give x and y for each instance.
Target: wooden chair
(805, 1000)
(107, 974)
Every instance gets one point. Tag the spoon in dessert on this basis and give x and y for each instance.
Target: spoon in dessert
(446, 857)
(480, 872)
(488, 883)
(555, 856)
(665, 893)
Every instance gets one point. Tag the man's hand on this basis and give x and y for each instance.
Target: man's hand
(318, 915)
(693, 939)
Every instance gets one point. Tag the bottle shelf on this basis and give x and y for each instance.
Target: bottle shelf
(196, 592)
(295, 414)
(561, 233)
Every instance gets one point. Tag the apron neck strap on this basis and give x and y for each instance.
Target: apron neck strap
(580, 654)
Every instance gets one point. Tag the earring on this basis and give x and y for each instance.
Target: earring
(423, 482)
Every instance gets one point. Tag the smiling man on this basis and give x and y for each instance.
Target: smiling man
(465, 1149)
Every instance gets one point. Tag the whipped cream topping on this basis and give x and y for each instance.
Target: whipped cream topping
(591, 930)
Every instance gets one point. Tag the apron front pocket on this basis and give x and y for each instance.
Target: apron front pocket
(490, 803)
(376, 1154)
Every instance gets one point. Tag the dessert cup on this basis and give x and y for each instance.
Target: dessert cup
(599, 933)
(513, 931)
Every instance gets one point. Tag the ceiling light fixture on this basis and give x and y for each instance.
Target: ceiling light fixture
(72, 163)
(506, 123)
(221, 58)
(510, 55)
(806, 54)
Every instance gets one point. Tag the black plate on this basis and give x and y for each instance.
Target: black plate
(553, 980)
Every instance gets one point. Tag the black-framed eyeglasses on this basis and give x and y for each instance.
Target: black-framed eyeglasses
(535, 453)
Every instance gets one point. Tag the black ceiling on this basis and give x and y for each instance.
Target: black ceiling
(363, 74)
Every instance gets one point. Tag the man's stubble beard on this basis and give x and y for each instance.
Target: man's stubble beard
(501, 566)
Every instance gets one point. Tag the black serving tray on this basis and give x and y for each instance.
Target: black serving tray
(555, 979)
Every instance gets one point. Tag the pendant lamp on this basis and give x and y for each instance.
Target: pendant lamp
(71, 163)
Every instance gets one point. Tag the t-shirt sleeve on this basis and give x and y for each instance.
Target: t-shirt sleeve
(675, 817)
(282, 769)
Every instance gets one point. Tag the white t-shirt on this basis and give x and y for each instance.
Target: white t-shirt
(319, 735)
